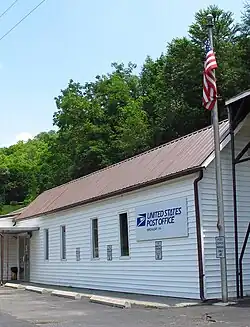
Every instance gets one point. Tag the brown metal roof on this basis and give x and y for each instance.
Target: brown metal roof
(176, 158)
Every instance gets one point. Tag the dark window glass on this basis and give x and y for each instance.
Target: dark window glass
(95, 249)
(63, 242)
(124, 235)
(46, 244)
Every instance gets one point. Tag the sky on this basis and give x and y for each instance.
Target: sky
(78, 39)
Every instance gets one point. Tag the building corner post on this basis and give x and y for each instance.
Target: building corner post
(236, 242)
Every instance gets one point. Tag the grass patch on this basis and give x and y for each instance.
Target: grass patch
(7, 208)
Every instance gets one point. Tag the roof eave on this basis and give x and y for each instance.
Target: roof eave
(179, 174)
(8, 215)
(238, 97)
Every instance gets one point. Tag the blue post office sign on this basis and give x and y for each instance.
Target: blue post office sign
(166, 219)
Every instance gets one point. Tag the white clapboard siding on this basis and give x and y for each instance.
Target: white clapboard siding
(10, 255)
(176, 275)
(209, 218)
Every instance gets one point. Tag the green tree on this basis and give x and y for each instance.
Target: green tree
(4, 177)
(172, 84)
(101, 123)
(227, 48)
(22, 163)
(225, 28)
(244, 43)
(185, 60)
(245, 20)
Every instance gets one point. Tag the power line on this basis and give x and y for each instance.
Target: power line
(20, 21)
(5, 12)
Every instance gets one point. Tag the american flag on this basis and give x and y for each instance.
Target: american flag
(209, 81)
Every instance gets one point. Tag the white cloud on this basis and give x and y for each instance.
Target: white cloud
(24, 136)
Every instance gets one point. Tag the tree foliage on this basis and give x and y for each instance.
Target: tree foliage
(102, 122)
(122, 113)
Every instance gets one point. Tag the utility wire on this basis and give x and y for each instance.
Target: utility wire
(5, 12)
(20, 21)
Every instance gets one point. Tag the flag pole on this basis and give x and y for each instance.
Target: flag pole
(219, 188)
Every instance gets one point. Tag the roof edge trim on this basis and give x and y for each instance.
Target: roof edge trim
(238, 97)
(224, 142)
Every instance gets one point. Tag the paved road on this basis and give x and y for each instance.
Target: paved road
(9, 321)
(25, 309)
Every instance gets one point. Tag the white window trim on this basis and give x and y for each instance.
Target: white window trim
(124, 257)
(61, 249)
(91, 240)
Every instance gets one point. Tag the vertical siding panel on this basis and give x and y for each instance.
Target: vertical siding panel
(209, 216)
(13, 255)
(11, 258)
(176, 275)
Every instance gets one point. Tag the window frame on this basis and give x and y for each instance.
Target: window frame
(46, 243)
(93, 257)
(122, 256)
(63, 255)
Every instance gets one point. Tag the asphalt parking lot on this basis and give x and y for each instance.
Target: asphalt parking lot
(19, 308)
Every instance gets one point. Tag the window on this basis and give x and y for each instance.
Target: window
(63, 242)
(95, 249)
(46, 244)
(124, 234)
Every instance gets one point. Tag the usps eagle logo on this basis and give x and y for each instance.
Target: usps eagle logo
(141, 220)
